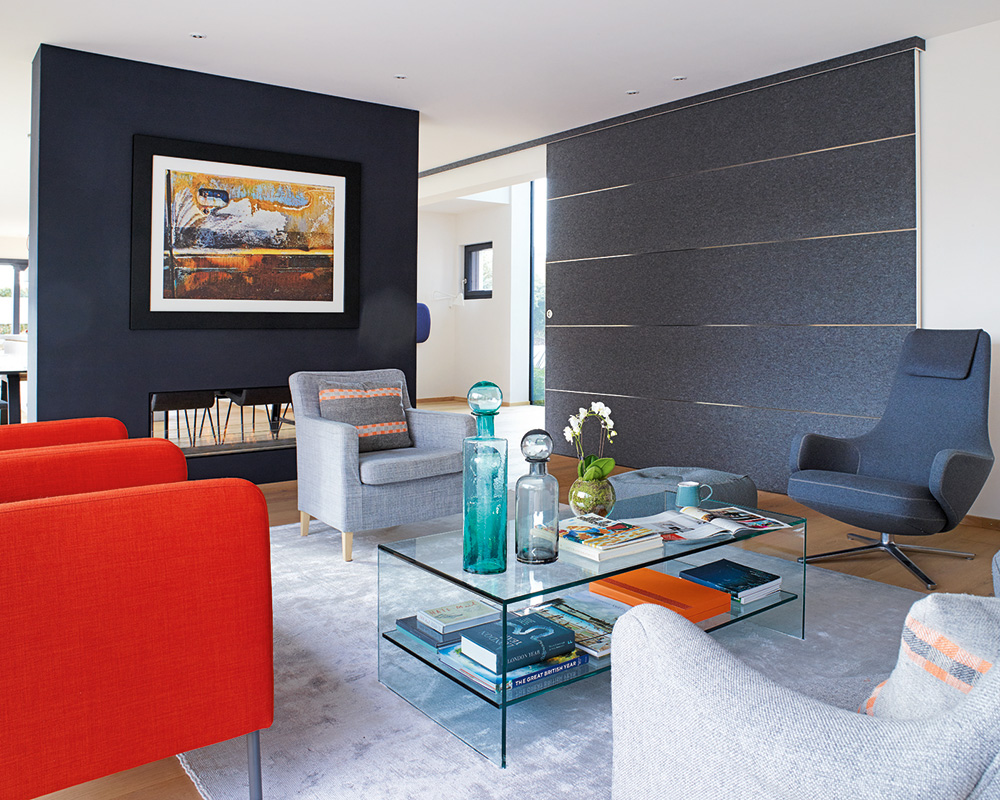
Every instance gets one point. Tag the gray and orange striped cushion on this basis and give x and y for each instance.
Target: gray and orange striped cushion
(375, 410)
(943, 653)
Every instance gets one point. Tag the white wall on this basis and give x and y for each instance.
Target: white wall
(13, 247)
(960, 176)
(438, 274)
(486, 339)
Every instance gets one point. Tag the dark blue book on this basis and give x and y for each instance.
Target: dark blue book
(530, 639)
(739, 580)
(426, 634)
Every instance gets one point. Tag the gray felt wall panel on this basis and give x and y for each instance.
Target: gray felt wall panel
(833, 193)
(844, 280)
(745, 441)
(830, 109)
(829, 369)
(727, 280)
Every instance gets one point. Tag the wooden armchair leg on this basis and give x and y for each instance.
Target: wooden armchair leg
(304, 523)
(346, 544)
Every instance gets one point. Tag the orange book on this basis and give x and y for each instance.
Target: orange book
(692, 601)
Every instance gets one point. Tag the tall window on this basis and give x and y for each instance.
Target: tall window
(13, 296)
(478, 270)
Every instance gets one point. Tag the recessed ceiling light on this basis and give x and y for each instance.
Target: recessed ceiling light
(198, 36)
(399, 77)
(631, 91)
(679, 78)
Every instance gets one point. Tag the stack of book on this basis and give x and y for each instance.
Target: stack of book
(598, 538)
(744, 584)
(444, 625)
(692, 601)
(536, 648)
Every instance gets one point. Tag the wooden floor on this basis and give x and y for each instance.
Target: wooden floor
(166, 780)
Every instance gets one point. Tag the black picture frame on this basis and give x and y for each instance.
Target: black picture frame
(143, 317)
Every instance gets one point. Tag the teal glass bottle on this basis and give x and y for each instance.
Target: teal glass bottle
(484, 543)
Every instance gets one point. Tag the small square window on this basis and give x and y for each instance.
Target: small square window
(478, 270)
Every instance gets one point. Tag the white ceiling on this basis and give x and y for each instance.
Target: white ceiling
(483, 75)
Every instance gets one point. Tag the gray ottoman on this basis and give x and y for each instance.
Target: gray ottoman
(737, 490)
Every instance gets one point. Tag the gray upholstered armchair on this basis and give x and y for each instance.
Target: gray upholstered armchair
(353, 491)
(918, 471)
(692, 721)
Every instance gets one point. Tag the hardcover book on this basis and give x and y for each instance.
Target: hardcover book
(530, 639)
(452, 656)
(594, 530)
(457, 616)
(742, 582)
(691, 600)
(425, 634)
(598, 538)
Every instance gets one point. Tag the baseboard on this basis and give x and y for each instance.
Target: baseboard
(982, 522)
(439, 399)
(463, 399)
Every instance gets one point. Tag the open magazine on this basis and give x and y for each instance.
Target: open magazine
(698, 524)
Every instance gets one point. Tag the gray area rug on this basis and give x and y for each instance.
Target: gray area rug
(338, 733)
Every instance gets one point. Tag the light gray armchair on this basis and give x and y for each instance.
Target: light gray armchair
(353, 491)
(692, 721)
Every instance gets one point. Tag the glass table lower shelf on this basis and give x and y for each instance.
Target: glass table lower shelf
(426, 572)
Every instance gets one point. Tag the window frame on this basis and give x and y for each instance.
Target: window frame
(19, 265)
(470, 250)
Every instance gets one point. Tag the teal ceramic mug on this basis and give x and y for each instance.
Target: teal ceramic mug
(689, 493)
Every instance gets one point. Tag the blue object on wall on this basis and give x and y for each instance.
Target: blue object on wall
(423, 323)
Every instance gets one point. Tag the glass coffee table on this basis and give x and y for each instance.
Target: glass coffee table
(426, 572)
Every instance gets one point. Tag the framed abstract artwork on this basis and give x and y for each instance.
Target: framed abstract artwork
(227, 237)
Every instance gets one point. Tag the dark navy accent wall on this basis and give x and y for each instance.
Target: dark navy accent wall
(729, 270)
(86, 108)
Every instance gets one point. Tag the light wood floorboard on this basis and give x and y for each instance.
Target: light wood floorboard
(166, 780)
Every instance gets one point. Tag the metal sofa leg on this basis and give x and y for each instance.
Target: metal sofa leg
(253, 766)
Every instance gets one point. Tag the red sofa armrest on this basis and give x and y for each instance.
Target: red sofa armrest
(61, 431)
(90, 467)
(137, 625)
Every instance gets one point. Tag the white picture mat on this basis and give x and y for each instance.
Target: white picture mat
(157, 302)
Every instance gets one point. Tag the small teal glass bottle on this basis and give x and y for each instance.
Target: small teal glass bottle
(536, 504)
(484, 544)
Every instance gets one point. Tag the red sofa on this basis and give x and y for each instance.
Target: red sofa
(61, 431)
(137, 625)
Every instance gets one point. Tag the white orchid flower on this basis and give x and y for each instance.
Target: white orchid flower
(609, 423)
(568, 433)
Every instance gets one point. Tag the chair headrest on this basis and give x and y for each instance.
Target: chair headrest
(939, 354)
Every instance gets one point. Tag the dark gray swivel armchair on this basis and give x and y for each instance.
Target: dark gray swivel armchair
(918, 471)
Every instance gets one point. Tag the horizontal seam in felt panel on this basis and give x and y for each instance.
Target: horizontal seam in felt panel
(721, 405)
(735, 325)
(734, 244)
(675, 175)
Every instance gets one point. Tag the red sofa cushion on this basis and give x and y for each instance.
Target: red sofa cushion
(61, 431)
(137, 625)
(89, 467)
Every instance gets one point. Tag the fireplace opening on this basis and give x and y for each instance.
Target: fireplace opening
(212, 421)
